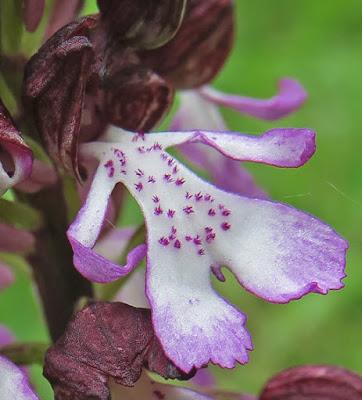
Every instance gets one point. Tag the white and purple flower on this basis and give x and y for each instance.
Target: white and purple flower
(274, 250)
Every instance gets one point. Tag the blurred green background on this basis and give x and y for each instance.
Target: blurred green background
(319, 43)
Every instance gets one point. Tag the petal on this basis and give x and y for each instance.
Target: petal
(97, 268)
(280, 147)
(14, 240)
(212, 330)
(32, 14)
(6, 277)
(200, 48)
(85, 230)
(194, 228)
(147, 389)
(280, 253)
(15, 156)
(290, 97)
(197, 113)
(14, 383)
(144, 25)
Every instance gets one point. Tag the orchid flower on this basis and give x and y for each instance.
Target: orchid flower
(275, 251)
(14, 383)
(199, 109)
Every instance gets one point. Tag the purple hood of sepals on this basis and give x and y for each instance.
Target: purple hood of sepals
(275, 251)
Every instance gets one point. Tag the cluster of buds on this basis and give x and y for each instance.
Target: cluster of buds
(90, 97)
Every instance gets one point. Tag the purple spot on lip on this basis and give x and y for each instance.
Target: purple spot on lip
(110, 168)
(225, 226)
(198, 196)
(164, 241)
(157, 146)
(226, 212)
(171, 213)
(210, 237)
(175, 169)
(151, 179)
(188, 210)
(139, 135)
(168, 178)
(201, 252)
(180, 181)
(188, 196)
(212, 212)
(138, 186)
(158, 210)
(188, 238)
(139, 173)
(121, 156)
(177, 244)
(197, 240)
